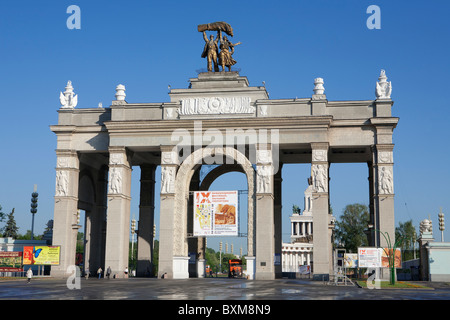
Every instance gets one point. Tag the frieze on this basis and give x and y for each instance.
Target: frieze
(216, 105)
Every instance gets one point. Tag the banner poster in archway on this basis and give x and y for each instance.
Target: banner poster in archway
(216, 213)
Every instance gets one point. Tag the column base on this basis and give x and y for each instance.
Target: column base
(201, 263)
(251, 267)
(181, 267)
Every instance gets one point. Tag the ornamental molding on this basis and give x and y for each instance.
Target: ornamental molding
(216, 105)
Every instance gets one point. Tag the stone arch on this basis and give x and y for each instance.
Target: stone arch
(217, 172)
(182, 182)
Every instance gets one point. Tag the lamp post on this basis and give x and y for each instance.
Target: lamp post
(133, 230)
(441, 224)
(220, 256)
(33, 210)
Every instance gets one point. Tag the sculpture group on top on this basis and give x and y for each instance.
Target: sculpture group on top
(224, 57)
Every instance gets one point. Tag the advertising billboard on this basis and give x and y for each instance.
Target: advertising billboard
(350, 260)
(378, 257)
(41, 255)
(11, 262)
(215, 213)
(369, 258)
(385, 258)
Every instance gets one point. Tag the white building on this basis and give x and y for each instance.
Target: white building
(299, 252)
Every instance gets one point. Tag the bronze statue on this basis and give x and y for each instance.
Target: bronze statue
(226, 52)
(211, 49)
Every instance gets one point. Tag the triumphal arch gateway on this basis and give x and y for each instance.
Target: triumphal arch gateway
(219, 120)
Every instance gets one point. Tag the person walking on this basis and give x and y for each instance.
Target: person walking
(126, 272)
(108, 272)
(99, 271)
(29, 275)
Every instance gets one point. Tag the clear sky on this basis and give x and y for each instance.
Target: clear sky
(148, 45)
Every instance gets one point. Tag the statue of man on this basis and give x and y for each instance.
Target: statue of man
(227, 50)
(211, 51)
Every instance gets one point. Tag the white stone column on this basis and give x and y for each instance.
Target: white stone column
(383, 196)
(66, 204)
(171, 261)
(265, 230)
(146, 221)
(321, 242)
(383, 166)
(118, 212)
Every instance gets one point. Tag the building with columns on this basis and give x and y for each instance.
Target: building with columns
(219, 118)
(299, 252)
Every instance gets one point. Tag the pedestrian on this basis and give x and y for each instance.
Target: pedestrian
(108, 272)
(99, 271)
(29, 275)
(126, 272)
(86, 273)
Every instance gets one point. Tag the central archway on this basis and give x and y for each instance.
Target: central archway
(182, 183)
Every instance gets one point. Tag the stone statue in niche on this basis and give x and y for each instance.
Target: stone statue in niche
(62, 183)
(167, 179)
(264, 173)
(115, 181)
(320, 178)
(386, 182)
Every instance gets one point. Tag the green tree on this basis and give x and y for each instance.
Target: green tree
(407, 231)
(2, 215)
(212, 259)
(27, 236)
(11, 229)
(349, 232)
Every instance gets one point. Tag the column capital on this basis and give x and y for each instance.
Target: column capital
(383, 154)
(319, 145)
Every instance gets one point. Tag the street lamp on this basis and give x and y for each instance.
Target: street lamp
(33, 210)
(133, 230)
(441, 224)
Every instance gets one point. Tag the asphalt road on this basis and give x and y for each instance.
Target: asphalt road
(206, 289)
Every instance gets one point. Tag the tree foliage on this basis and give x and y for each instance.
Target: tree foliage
(407, 231)
(2, 215)
(11, 229)
(349, 232)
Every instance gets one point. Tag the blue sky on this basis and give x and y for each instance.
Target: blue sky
(147, 45)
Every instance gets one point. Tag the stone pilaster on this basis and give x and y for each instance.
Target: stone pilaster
(278, 182)
(171, 261)
(66, 204)
(383, 192)
(265, 229)
(118, 223)
(146, 221)
(98, 222)
(320, 203)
